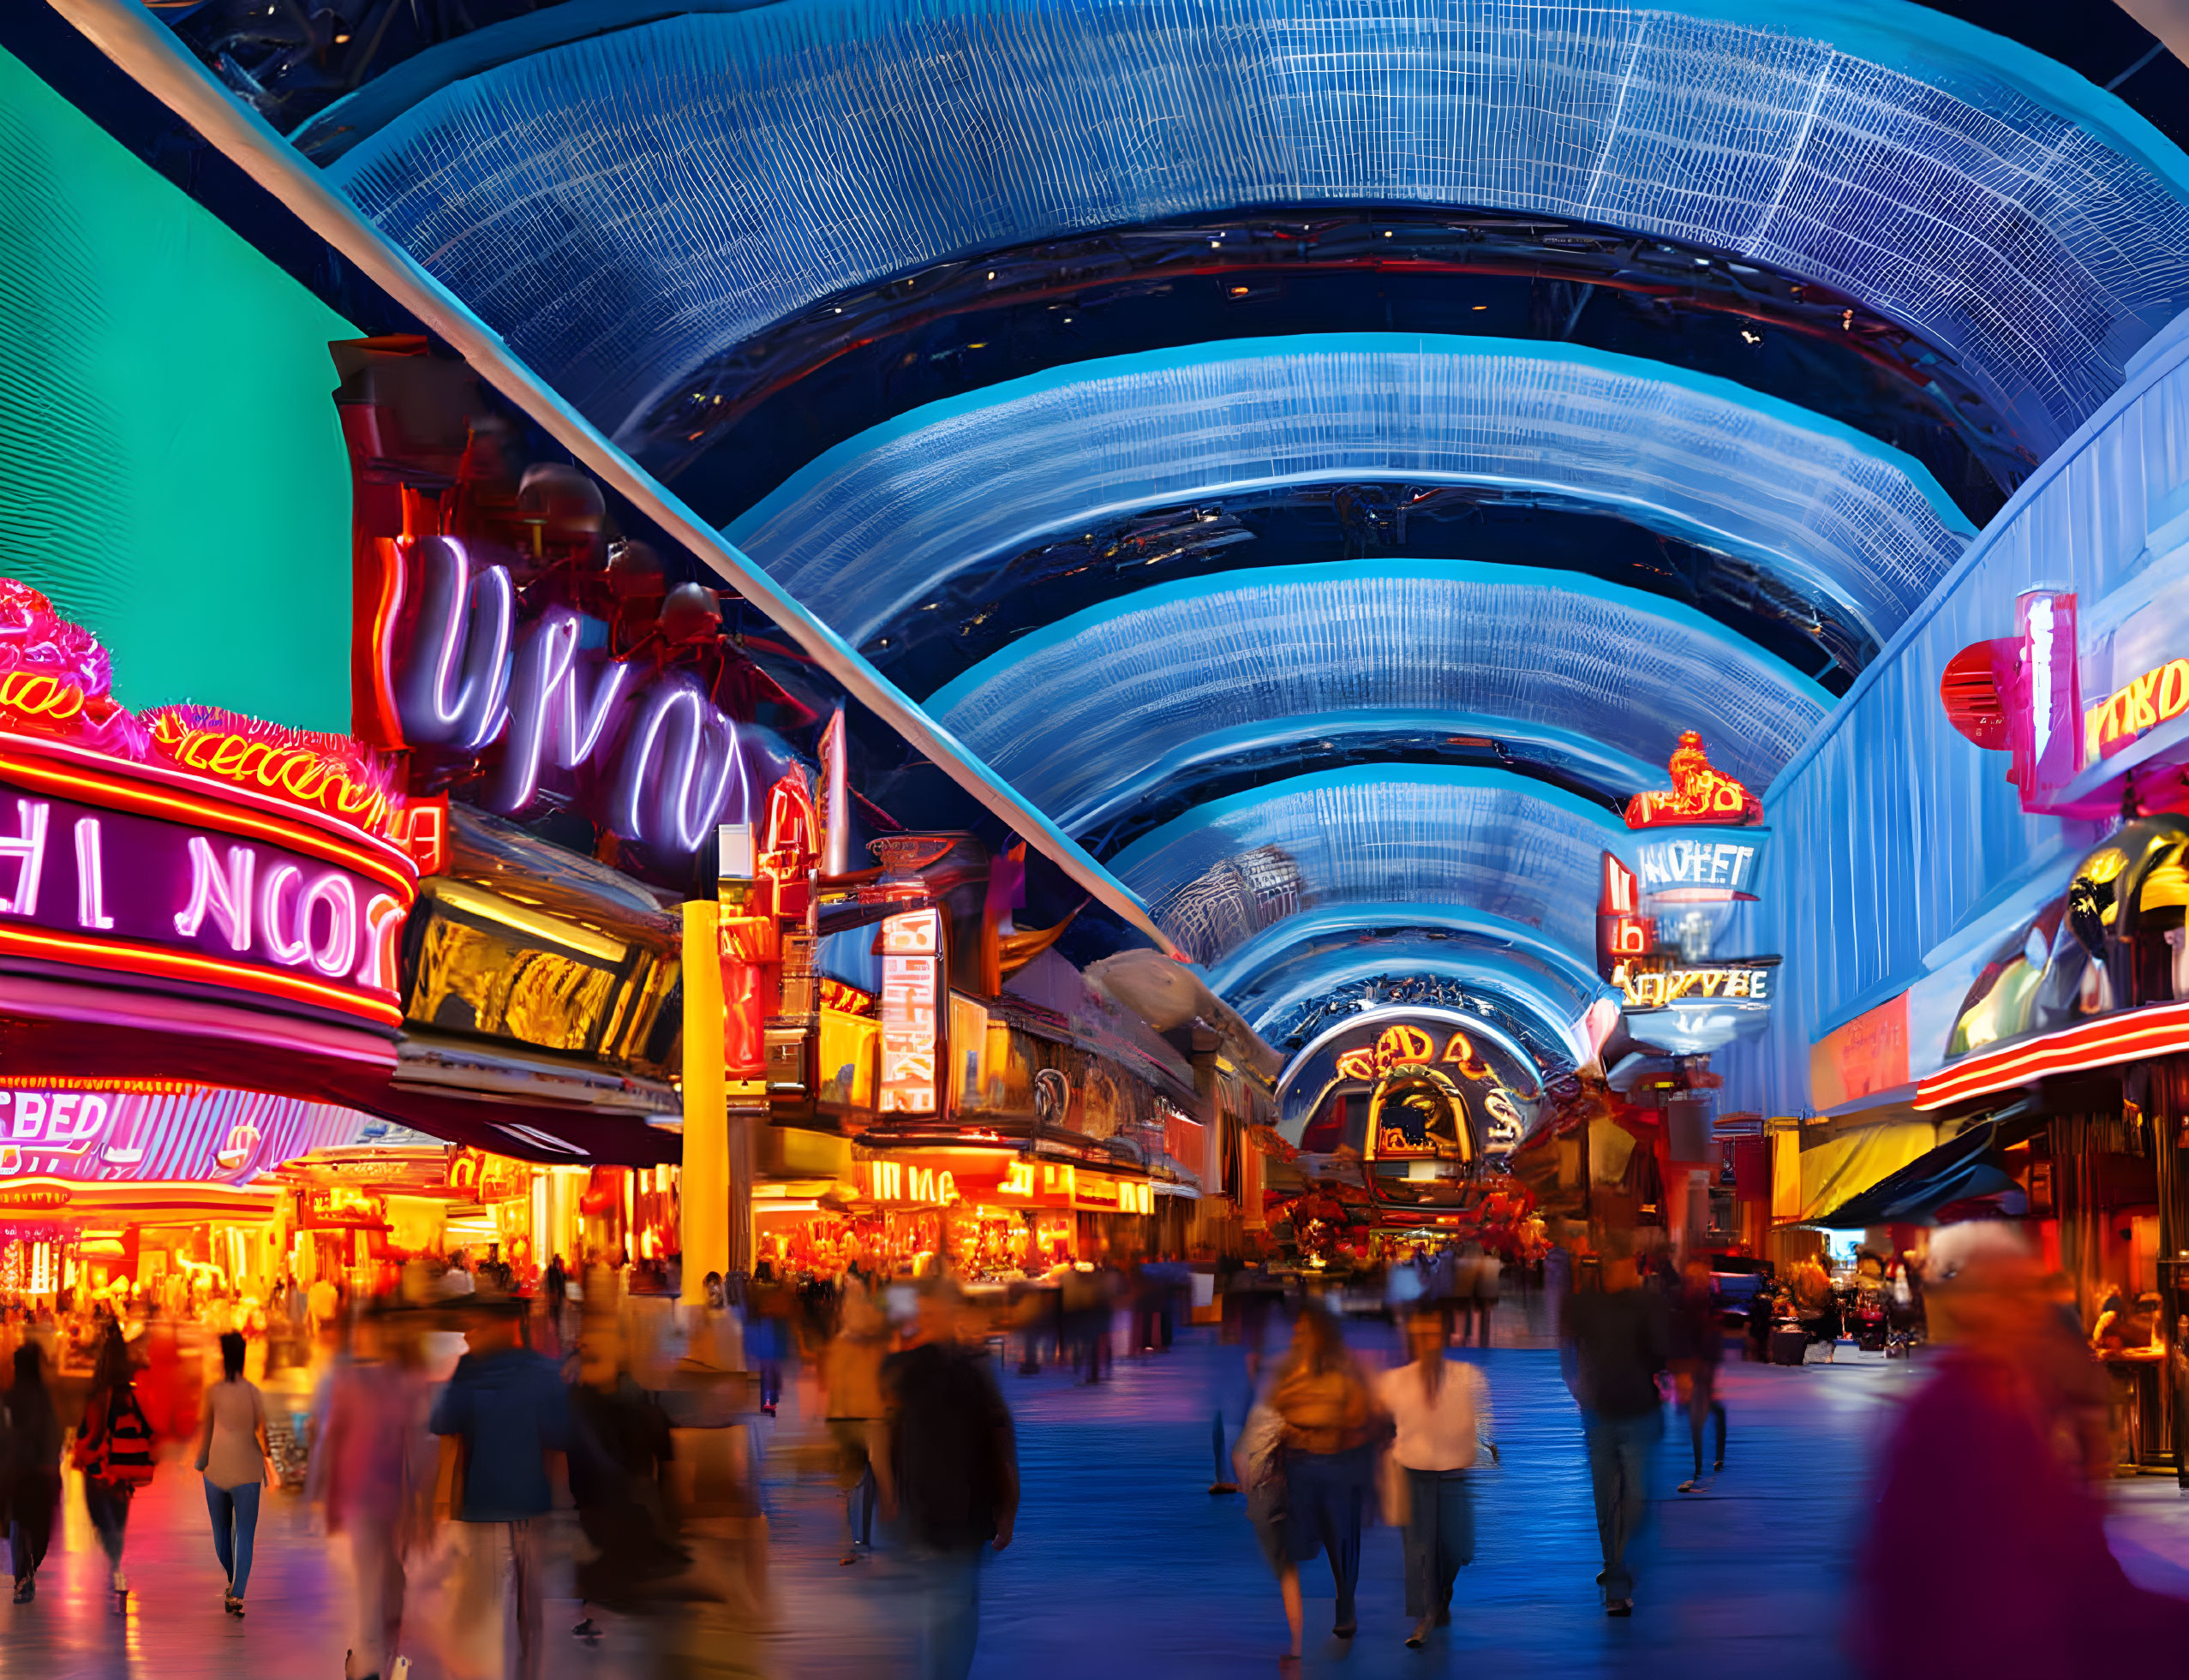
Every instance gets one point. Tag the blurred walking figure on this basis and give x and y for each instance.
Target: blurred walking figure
(367, 1469)
(1618, 1339)
(30, 1474)
(1987, 1551)
(504, 1421)
(1441, 1410)
(1330, 1424)
(949, 1473)
(1489, 1279)
(851, 1377)
(618, 1464)
(114, 1451)
(1698, 1344)
(232, 1455)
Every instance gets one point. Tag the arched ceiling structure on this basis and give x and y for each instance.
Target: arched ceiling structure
(1629, 369)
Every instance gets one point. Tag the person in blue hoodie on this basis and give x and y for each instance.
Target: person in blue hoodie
(504, 1421)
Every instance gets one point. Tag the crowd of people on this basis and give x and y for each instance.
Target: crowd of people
(442, 1472)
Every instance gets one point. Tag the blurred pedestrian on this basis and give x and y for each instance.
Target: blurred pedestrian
(231, 1456)
(1259, 1462)
(369, 1470)
(30, 1474)
(1330, 1424)
(114, 1451)
(1440, 1409)
(504, 1421)
(949, 1474)
(851, 1384)
(1489, 1278)
(1697, 1348)
(619, 1466)
(1987, 1552)
(1617, 1336)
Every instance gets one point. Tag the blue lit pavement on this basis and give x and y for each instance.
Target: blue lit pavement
(1125, 1565)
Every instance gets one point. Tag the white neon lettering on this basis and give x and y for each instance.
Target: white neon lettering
(337, 954)
(28, 848)
(90, 877)
(30, 1117)
(382, 926)
(226, 897)
(90, 1118)
(287, 949)
(672, 803)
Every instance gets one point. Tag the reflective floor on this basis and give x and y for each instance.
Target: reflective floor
(1125, 1565)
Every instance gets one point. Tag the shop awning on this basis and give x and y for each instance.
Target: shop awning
(1846, 1164)
(1967, 1168)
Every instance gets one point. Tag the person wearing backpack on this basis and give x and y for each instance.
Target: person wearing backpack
(233, 1456)
(113, 1450)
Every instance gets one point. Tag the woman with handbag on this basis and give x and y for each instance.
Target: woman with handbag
(113, 1450)
(1441, 1411)
(1331, 1421)
(233, 1456)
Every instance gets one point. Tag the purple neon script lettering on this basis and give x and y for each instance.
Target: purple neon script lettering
(28, 847)
(673, 819)
(544, 708)
(226, 896)
(449, 691)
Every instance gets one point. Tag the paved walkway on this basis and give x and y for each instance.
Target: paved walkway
(1125, 1565)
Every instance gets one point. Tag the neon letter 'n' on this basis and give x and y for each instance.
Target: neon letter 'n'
(226, 895)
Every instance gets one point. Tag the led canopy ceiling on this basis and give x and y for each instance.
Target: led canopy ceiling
(626, 206)
(883, 518)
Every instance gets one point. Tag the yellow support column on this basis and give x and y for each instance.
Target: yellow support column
(704, 1196)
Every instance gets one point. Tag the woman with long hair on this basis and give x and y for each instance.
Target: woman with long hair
(233, 1456)
(1441, 1411)
(32, 1469)
(1331, 1421)
(113, 1450)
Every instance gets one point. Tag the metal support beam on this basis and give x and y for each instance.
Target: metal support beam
(148, 52)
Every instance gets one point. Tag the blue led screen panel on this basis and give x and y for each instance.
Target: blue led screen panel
(1073, 711)
(1906, 839)
(867, 530)
(1228, 870)
(627, 207)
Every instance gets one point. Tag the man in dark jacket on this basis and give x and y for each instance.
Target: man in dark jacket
(504, 1421)
(1617, 1338)
(950, 1473)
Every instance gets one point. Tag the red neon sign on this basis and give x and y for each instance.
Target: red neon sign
(911, 974)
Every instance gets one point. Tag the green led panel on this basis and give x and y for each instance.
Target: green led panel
(171, 467)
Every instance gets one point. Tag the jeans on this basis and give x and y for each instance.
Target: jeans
(479, 1596)
(235, 1509)
(107, 1504)
(376, 1560)
(946, 1613)
(1703, 1404)
(1440, 1537)
(1619, 1472)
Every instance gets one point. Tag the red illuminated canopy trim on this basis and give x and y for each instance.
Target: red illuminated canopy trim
(2128, 1037)
(154, 963)
(236, 811)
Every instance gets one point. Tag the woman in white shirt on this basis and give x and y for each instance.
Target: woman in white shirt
(1442, 1409)
(232, 1453)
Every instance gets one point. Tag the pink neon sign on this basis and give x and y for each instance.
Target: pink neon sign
(95, 1131)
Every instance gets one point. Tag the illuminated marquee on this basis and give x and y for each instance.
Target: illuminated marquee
(2144, 702)
(904, 1183)
(182, 890)
(1698, 871)
(111, 1131)
(1661, 987)
(340, 1207)
(912, 985)
(1408, 1046)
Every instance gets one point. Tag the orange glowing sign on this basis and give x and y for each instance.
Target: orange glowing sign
(1408, 1046)
(1698, 794)
(2155, 698)
(34, 694)
(908, 1183)
(912, 986)
(329, 774)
